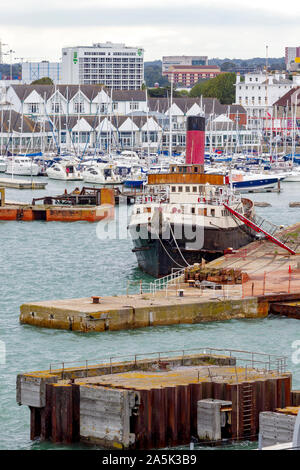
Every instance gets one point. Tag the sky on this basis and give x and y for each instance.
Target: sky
(37, 30)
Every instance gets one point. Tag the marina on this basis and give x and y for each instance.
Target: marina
(252, 282)
(159, 311)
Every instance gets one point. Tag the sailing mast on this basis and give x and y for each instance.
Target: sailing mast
(170, 119)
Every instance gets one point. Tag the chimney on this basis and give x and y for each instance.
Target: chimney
(195, 140)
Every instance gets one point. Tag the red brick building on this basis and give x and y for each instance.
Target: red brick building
(189, 75)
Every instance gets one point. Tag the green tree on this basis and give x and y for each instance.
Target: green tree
(228, 66)
(43, 81)
(221, 87)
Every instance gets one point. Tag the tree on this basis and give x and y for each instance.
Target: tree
(153, 74)
(221, 87)
(43, 81)
(228, 66)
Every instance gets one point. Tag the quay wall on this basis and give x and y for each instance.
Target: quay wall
(129, 317)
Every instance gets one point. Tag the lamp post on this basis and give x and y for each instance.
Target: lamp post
(11, 52)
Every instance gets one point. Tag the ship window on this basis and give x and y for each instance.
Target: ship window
(180, 189)
(187, 189)
(173, 189)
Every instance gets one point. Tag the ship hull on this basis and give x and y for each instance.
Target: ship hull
(158, 256)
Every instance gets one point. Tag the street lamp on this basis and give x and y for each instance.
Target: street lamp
(11, 52)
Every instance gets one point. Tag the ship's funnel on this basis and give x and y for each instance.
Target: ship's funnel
(195, 140)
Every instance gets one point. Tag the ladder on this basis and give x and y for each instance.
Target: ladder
(247, 408)
(258, 228)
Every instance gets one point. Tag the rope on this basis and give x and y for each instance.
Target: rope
(167, 251)
(177, 245)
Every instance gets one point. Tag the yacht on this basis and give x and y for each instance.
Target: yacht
(3, 165)
(65, 172)
(22, 166)
(101, 173)
(136, 178)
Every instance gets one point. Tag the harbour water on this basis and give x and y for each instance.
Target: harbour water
(40, 261)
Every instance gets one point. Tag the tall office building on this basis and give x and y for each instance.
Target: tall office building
(169, 61)
(291, 56)
(114, 65)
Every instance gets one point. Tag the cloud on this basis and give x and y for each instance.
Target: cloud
(188, 16)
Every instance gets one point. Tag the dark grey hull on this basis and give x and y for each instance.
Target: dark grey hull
(157, 255)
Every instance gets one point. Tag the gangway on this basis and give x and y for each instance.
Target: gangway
(258, 228)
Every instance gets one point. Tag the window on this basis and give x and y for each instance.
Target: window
(194, 189)
(134, 105)
(213, 212)
(78, 107)
(173, 189)
(193, 210)
(55, 108)
(187, 189)
(33, 108)
(180, 189)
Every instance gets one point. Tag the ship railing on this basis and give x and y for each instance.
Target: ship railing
(214, 201)
(250, 361)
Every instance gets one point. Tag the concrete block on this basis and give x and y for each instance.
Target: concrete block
(105, 415)
(31, 390)
(275, 428)
(209, 419)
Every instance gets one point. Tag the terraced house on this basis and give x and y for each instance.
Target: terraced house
(96, 117)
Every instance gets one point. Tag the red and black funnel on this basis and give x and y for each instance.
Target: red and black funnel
(195, 140)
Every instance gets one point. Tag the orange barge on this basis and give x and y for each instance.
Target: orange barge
(89, 204)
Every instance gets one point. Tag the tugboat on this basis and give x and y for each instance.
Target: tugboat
(182, 219)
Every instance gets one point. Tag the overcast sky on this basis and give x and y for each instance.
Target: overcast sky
(228, 28)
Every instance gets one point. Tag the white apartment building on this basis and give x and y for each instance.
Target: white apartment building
(113, 65)
(32, 71)
(168, 61)
(258, 92)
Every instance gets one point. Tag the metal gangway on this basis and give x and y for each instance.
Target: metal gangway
(258, 228)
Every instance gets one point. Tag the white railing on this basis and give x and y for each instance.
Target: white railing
(172, 279)
(163, 283)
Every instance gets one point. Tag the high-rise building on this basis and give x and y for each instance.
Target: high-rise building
(291, 56)
(114, 65)
(169, 61)
(32, 71)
